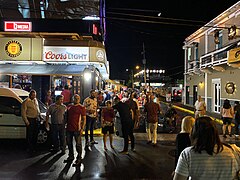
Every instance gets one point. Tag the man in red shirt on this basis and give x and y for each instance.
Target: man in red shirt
(76, 121)
(152, 109)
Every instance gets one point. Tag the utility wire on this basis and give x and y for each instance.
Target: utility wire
(154, 17)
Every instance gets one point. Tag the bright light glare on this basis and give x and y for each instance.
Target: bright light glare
(87, 76)
(91, 18)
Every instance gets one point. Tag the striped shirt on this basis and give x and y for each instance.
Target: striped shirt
(223, 165)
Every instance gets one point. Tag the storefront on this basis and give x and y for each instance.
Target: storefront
(44, 61)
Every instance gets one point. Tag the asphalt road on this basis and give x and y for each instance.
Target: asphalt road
(147, 162)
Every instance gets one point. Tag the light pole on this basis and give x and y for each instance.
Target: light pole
(144, 67)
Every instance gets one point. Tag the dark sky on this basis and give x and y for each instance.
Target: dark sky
(163, 43)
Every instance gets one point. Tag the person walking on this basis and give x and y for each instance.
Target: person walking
(208, 157)
(30, 115)
(227, 116)
(153, 110)
(91, 111)
(183, 138)
(237, 118)
(76, 121)
(57, 112)
(127, 124)
(107, 123)
(200, 107)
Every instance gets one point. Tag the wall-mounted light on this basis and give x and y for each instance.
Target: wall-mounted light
(87, 76)
(201, 84)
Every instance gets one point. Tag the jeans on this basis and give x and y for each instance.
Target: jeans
(89, 125)
(32, 133)
(58, 136)
(77, 137)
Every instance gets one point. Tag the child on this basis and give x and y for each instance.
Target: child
(107, 123)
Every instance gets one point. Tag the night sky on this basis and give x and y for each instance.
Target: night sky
(163, 42)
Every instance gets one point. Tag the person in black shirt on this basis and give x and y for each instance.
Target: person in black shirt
(237, 117)
(183, 138)
(127, 124)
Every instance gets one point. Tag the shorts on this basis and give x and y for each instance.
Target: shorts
(227, 120)
(109, 129)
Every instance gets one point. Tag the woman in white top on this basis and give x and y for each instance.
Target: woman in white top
(227, 116)
(208, 158)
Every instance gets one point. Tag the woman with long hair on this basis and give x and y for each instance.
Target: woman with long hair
(227, 116)
(208, 157)
(183, 138)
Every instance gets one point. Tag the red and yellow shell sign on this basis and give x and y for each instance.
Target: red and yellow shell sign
(13, 48)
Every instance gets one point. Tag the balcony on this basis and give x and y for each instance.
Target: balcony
(215, 58)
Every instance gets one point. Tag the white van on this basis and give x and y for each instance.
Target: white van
(12, 125)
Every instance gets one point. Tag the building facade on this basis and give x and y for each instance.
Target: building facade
(212, 61)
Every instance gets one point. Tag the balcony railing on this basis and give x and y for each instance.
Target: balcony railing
(214, 58)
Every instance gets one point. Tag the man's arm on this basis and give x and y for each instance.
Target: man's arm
(47, 119)
(24, 115)
(83, 124)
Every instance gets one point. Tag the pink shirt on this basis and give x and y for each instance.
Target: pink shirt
(67, 96)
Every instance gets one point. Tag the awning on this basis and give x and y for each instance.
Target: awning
(41, 69)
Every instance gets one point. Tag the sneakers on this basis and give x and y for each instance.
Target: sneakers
(77, 163)
(154, 144)
(124, 152)
(69, 159)
(133, 150)
(149, 142)
(94, 142)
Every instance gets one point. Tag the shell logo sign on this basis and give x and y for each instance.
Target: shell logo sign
(13, 48)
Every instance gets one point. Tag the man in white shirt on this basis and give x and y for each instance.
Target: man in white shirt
(200, 107)
(91, 112)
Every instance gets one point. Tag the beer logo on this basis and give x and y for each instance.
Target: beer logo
(13, 48)
(100, 55)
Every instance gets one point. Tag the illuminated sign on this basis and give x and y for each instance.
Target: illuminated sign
(230, 87)
(17, 26)
(100, 55)
(61, 54)
(13, 48)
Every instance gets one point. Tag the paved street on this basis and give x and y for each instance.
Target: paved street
(147, 162)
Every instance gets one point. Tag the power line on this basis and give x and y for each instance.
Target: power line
(154, 17)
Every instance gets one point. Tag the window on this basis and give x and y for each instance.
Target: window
(189, 54)
(220, 39)
(8, 105)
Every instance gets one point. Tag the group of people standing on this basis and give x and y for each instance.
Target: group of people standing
(229, 114)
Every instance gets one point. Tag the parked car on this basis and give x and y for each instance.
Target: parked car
(12, 125)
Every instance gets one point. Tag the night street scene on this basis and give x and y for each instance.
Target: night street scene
(100, 89)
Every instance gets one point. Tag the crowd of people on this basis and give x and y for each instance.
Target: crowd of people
(198, 146)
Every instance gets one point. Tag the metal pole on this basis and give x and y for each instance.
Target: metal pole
(132, 78)
(144, 65)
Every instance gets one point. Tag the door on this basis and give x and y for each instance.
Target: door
(187, 94)
(216, 91)
(195, 94)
